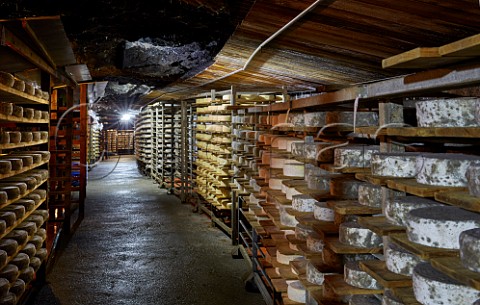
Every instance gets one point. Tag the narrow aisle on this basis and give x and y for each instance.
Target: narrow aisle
(139, 245)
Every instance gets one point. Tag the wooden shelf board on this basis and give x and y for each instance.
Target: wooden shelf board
(22, 144)
(380, 225)
(378, 270)
(423, 252)
(325, 229)
(411, 186)
(340, 248)
(346, 170)
(419, 58)
(340, 288)
(424, 132)
(459, 198)
(13, 95)
(405, 294)
(376, 180)
(466, 47)
(453, 267)
(351, 207)
(23, 170)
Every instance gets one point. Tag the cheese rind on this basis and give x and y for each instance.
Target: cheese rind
(286, 259)
(397, 208)
(363, 118)
(470, 249)
(297, 292)
(315, 243)
(440, 227)
(399, 260)
(354, 156)
(453, 112)
(390, 299)
(400, 165)
(322, 212)
(313, 275)
(431, 287)
(353, 234)
(473, 180)
(355, 276)
(291, 169)
(303, 203)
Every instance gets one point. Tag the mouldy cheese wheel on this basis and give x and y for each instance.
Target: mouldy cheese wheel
(314, 119)
(362, 118)
(3, 258)
(36, 219)
(42, 172)
(296, 118)
(42, 233)
(6, 108)
(4, 287)
(7, 79)
(290, 192)
(303, 203)
(35, 263)
(320, 183)
(29, 249)
(278, 162)
(37, 241)
(19, 210)
(397, 208)
(22, 261)
(21, 236)
(444, 169)
(17, 111)
(440, 227)
(470, 249)
(313, 275)
(398, 260)
(19, 85)
(431, 287)
(390, 299)
(310, 151)
(355, 276)
(5, 167)
(302, 231)
(45, 154)
(285, 259)
(370, 195)
(315, 242)
(18, 288)
(291, 169)
(394, 164)
(27, 136)
(296, 292)
(12, 191)
(8, 299)
(287, 220)
(353, 234)
(365, 300)
(42, 254)
(27, 275)
(322, 212)
(275, 183)
(22, 186)
(28, 204)
(473, 180)
(454, 112)
(28, 113)
(8, 217)
(16, 163)
(345, 188)
(15, 136)
(354, 156)
(9, 272)
(4, 137)
(45, 95)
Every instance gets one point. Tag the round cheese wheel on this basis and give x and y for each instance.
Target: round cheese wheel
(400, 261)
(44, 135)
(313, 275)
(3, 257)
(42, 193)
(285, 259)
(18, 111)
(394, 164)
(28, 113)
(41, 213)
(8, 217)
(28, 204)
(34, 196)
(45, 115)
(37, 241)
(362, 118)
(452, 112)
(444, 169)
(310, 151)
(36, 136)
(27, 136)
(303, 203)
(29, 89)
(29, 182)
(19, 85)
(297, 292)
(18, 288)
(26, 160)
(473, 180)
(3, 197)
(36, 219)
(42, 254)
(365, 300)
(4, 137)
(3, 226)
(356, 277)
(470, 249)
(290, 192)
(302, 231)
(15, 136)
(30, 227)
(27, 275)
(4, 287)
(397, 208)
(315, 119)
(9, 272)
(16, 163)
(29, 249)
(322, 212)
(22, 261)
(440, 227)
(20, 236)
(275, 183)
(35, 263)
(37, 114)
(354, 156)
(370, 195)
(345, 188)
(5, 167)
(390, 299)
(43, 172)
(22, 187)
(42, 233)
(431, 287)
(287, 219)
(353, 234)
(315, 243)
(291, 169)
(320, 183)
(8, 299)
(7, 79)
(17, 209)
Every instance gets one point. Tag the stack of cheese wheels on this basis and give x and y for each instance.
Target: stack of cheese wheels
(454, 112)
(444, 169)
(315, 119)
(364, 118)
(354, 156)
(310, 151)
(353, 234)
(473, 180)
(365, 300)
(399, 260)
(432, 287)
(296, 291)
(400, 165)
(470, 249)
(397, 208)
(440, 227)
(355, 276)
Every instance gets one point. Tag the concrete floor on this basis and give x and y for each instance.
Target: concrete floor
(139, 245)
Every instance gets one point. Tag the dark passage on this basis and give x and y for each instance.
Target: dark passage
(139, 245)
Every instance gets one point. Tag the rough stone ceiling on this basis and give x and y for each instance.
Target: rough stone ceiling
(139, 45)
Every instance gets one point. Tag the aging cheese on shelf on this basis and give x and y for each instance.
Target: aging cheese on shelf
(9, 272)
(440, 227)
(42, 213)
(7, 79)
(12, 191)
(293, 169)
(275, 183)
(4, 287)
(389, 298)
(37, 241)
(444, 169)
(27, 160)
(6, 108)
(3, 197)
(400, 165)
(22, 187)
(302, 231)
(322, 212)
(18, 210)
(21, 260)
(453, 112)
(19, 85)
(42, 233)
(353, 234)
(296, 292)
(315, 119)
(345, 188)
(17, 163)
(397, 208)
(17, 288)
(38, 220)
(4, 137)
(287, 219)
(27, 136)
(3, 227)
(355, 276)
(29, 249)
(473, 180)
(315, 243)
(3, 257)
(431, 287)
(30, 182)
(285, 259)
(28, 113)
(41, 254)
(18, 111)
(354, 156)
(303, 203)
(5, 167)
(37, 114)
(20, 236)
(470, 249)
(28, 204)
(399, 260)
(15, 136)
(35, 263)
(310, 151)
(363, 118)
(8, 299)
(8, 217)
(27, 275)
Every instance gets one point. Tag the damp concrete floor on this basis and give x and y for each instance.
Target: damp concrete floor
(139, 245)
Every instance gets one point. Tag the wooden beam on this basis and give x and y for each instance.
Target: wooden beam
(466, 47)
